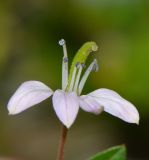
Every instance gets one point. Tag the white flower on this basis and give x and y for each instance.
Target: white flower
(66, 102)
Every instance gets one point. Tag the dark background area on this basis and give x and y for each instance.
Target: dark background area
(29, 50)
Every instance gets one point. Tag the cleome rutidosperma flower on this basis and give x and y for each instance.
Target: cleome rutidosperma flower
(68, 100)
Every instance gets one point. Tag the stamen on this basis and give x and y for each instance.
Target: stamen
(78, 64)
(83, 65)
(65, 59)
(86, 74)
(78, 78)
(95, 67)
(64, 65)
(73, 79)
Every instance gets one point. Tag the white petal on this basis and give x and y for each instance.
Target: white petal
(89, 104)
(66, 106)
(114, 104)
(27, 95)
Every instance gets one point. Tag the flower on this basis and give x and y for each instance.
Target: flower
(66, 102)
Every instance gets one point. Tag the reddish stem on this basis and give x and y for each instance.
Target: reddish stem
(60, 153)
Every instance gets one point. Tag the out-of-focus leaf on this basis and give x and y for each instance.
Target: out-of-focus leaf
(114, 153)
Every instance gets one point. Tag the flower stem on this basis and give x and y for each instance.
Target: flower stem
(60, 153)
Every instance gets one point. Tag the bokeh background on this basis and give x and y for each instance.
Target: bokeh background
(29, 50)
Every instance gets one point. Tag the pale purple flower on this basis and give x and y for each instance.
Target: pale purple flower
(66, 103)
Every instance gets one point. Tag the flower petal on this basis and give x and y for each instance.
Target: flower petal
(27, 95)
(89, 104)
(114, 104)
(66, 106)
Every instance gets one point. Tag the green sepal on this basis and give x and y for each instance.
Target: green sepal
(81, 57)
(114, 153)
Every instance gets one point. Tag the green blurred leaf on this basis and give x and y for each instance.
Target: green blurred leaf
(114, 153)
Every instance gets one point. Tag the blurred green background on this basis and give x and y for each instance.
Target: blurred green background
(29, 50)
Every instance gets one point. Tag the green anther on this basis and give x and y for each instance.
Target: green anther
(81, 57)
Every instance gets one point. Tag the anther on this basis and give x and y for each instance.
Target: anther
(95, 67)
(62, 42)
(83, 65)
(77, 64)
(65, 59)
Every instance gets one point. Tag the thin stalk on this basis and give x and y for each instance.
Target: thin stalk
(60, 153)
